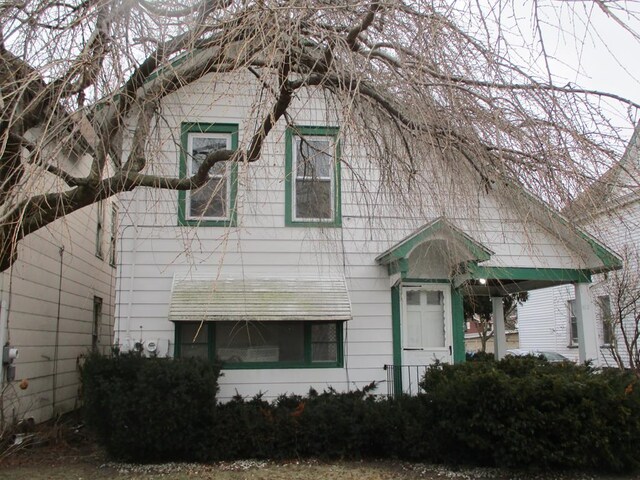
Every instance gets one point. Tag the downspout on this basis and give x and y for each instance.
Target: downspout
(55, 346)
(132, 267)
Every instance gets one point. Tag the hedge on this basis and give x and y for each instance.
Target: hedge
(519, 412)
(151, 409)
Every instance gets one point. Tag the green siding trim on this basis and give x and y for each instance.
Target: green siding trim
(307, 363)
(196, 127)
(289, 178)
(523, 273)
(457, 321)
(403, 249)
(397, 339)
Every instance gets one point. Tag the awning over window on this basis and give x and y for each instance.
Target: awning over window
(197, 298)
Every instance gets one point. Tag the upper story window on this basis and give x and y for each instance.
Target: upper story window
(214, 203)
(312, 182)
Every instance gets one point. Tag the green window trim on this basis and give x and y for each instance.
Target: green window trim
(289, 183)
(187, 128)
(306, 363)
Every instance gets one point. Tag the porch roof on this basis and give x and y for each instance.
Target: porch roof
(438, 229)
(466, 254)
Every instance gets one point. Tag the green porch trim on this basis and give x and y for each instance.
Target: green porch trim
(524, 273)
(406, 246)
(400, 266)
(457, 320)
(198, 127)
(396, 334)
(609, 259)
(406, 281)
(289, 178)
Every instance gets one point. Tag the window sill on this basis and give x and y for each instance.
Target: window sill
(316, 224)
(278, 366)
(206, 223)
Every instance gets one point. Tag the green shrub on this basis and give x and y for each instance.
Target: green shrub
(148, 409)
(521, 412)
(524, 412)
(329, 425)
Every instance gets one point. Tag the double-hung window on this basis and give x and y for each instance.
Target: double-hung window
(312, 183)
(573, 323)
(604, 304)
(213, 204)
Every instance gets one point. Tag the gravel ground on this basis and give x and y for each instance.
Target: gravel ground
(93, 466)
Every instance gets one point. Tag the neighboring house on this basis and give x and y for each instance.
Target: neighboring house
(302, 269)
(57, 304)
(473, 343)
(610, 211)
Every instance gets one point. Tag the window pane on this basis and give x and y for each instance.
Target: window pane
(260, 341)
(210, 200)
(324, 342)
(193, 340)
(413, 298)
(434, 298)
(313, 199)
(314, 157)
(202, 146)
(324, 352)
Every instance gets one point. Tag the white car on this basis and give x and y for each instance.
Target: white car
(551, 357)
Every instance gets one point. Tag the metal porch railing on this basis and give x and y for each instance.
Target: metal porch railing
(404, 379)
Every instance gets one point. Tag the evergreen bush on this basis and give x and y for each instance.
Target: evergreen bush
(150, 409)
(524, 412)
(521, 412)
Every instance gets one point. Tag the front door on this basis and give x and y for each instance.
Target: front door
(426, 329)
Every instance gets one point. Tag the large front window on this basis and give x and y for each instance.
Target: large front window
(313, 176)
(214, 202)
(249, 344)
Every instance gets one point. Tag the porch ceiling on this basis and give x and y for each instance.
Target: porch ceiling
(499, 281)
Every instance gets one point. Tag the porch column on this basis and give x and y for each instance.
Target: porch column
(499, 333)
(586, 320)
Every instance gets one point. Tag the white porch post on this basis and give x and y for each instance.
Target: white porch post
(499, 333)
(586, 320)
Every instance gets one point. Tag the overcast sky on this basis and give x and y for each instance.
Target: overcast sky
(593, 50)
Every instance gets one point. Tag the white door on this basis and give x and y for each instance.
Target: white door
(426, 324)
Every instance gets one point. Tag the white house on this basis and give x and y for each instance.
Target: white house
(305, 269)
(610, 211)
(56, 305)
